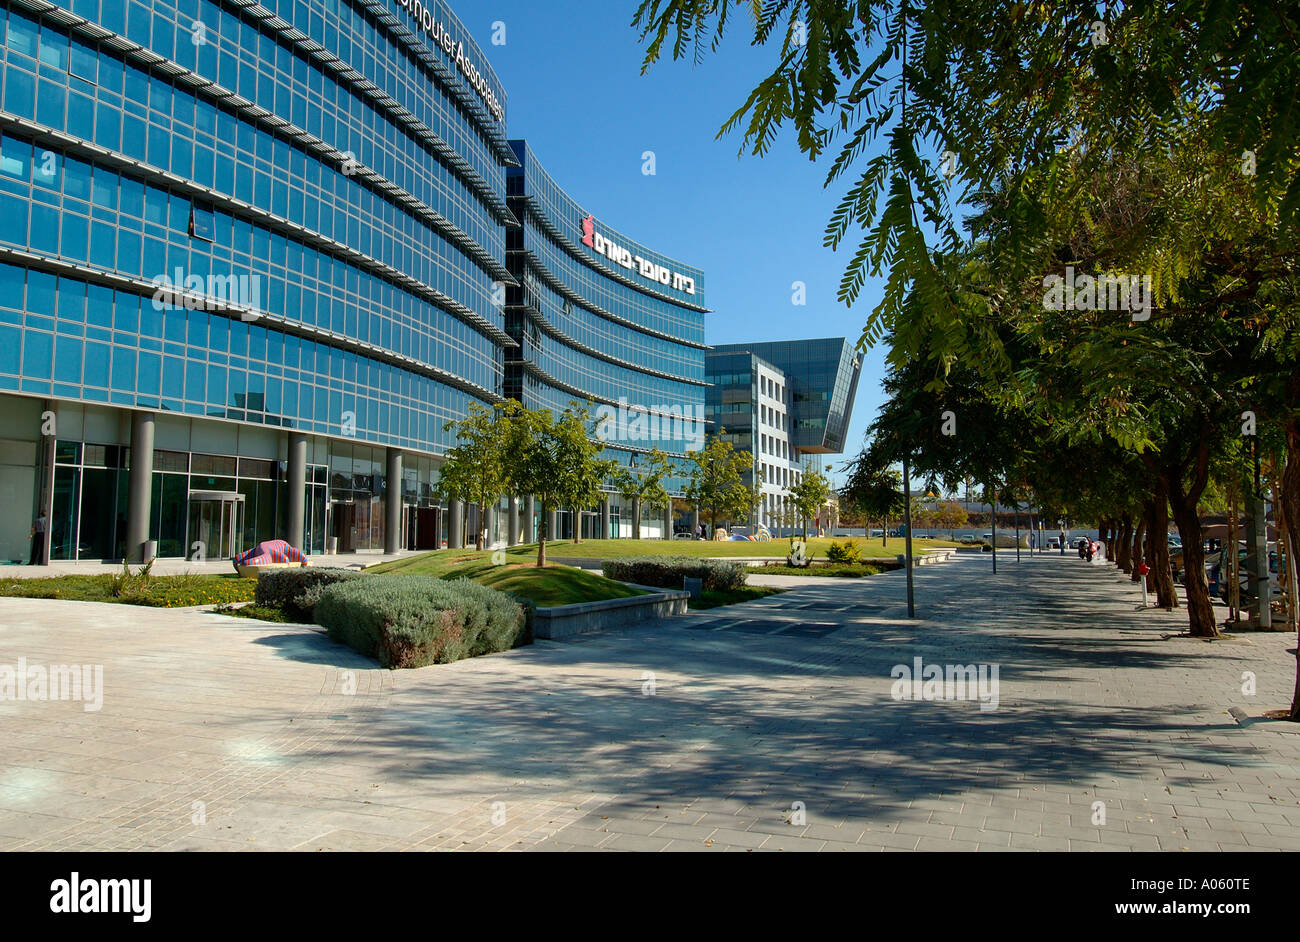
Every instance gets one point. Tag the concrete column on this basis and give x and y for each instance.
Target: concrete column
(393, 504)
(512, 522)
(526, 525)
(296, 499)
(552, 518)
(455, 524)
(140, 495)
(668, 520)
(45, 503)
(695, 517)
(604, 518)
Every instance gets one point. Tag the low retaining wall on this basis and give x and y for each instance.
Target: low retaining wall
(563, 621)
(927, 559)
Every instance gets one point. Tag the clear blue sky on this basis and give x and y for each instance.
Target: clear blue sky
(572, 74)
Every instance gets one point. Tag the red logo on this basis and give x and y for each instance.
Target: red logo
(589, 231)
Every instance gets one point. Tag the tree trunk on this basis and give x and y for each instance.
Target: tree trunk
(1137, 555)
(1200, 609)
(1291, 509)
(1124, 544)
(636, 518)
(478, 535)
(543, 531)
(577, 524)
(1158, 543)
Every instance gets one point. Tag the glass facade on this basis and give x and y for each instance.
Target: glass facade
(787, 403)
(823, 382)
(600, 318)
(290, 216)
(237, 232)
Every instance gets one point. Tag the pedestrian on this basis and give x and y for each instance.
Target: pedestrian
(1062, 542)
(38, 540)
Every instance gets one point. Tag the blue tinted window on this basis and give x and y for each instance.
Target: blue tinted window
(96, 364)
(45, 229)
(202, 223)
(15, 155)
(38, 348)
(105, 188)
(54, 48)
(72, 299)
(20, 90)
(85, 62)
(67, 360)
(22, 35)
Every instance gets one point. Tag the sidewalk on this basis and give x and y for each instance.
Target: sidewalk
(770, 725)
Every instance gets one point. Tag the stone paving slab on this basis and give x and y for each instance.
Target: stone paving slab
(773, 728)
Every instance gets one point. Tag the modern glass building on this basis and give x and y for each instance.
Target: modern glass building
(598, 317)
(255, 257)
(785, 402)
(251, 262)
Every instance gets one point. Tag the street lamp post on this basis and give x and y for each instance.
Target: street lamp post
(1017, 529)
(993, 515)
(907, 539)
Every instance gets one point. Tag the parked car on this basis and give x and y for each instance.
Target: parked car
(1218, 571)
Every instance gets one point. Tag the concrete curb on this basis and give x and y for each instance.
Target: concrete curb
(563, 621)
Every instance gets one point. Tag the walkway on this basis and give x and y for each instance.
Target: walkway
(766, 726)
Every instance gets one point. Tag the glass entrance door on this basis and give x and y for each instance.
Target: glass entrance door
(216, 520)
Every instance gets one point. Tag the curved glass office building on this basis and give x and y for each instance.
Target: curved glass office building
(598, 317)
(252, 259)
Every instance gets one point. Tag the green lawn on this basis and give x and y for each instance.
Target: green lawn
(553, 585)
(157, 591)
(613, 549)
(841, 571)
(713, 598)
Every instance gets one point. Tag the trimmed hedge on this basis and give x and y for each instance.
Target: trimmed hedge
(415, 621)
(667, 572)
(296, 591)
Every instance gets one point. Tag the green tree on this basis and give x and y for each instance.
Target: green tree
(927, 105)
(642, 483)
(950, 516)
(474, 470)
(717, 481)
(807, 496)
(874, 490)
(557, 461)
(582, 471)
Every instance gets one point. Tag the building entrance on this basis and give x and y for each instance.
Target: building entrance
(216, 520)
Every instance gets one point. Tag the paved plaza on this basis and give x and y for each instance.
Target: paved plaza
(764, 726)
